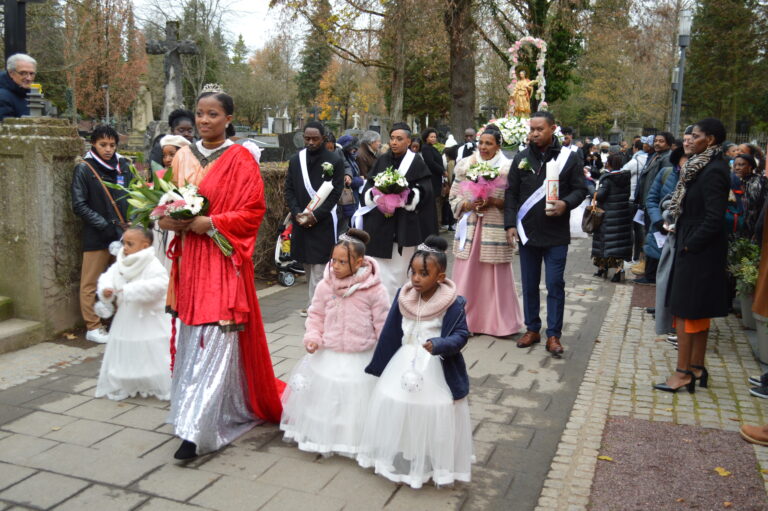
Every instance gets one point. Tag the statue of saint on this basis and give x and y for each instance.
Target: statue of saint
(522, 95)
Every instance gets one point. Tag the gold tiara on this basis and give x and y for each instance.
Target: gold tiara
(216, 88)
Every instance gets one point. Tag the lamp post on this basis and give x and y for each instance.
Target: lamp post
(683, 40)
(106, 100)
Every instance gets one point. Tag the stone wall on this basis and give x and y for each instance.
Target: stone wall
(40, 249)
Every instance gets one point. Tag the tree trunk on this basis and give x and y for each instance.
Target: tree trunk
(459, 24)
(398, 79)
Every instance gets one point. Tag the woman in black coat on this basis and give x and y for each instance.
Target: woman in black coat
(612, 242)
(434, 162)
(698, 287)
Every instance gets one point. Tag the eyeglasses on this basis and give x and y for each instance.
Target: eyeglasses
(25, 74)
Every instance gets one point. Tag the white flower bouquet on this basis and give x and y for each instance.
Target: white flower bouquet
(148, 202)
(390, 191)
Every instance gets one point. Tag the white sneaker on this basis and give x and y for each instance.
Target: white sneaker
(303, 313)
(98, 335)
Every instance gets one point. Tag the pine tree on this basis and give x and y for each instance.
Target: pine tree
(315, 56)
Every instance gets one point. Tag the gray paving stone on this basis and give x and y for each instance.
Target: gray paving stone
(175, 482)
(99, 497)
(299, 475)
(240, 462)
(16, 449)
(142, 417)
(21, 394)
(91, 464)
(230, 493)
(9, 413)
(493, 432)
(72, 384)
(100, 409)
(83, 432)
(11, 474)
(168, 505)
(291, 500)
(371, 491)
(39, 423)
(43, 490)
(57, 402)
(131, 442)
(428, 498)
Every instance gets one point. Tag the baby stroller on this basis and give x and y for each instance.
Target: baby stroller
(287, 268)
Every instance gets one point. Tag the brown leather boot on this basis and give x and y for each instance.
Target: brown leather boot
(755, 434)
(528, 339)
(554, 346)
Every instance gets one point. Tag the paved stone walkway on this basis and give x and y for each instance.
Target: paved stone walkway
(62, 449)
(618, 382)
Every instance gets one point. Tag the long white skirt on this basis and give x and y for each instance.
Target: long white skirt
(137, 360)
(411, 437)
(326, 400)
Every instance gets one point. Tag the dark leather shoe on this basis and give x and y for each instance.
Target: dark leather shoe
(554, 346)
(528, 339)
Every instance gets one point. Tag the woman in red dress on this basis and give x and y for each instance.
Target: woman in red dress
(223, 382)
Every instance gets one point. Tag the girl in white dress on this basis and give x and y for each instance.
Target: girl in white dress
(418, 426)
(137, 359)
(326, 400)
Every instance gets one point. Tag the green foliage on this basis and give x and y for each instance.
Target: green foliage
(743, 262)
(427, 83)
(565, 47)
(726, 58)
(315, 56)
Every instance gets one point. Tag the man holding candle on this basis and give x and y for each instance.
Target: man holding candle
(539, 222)
(312, 204)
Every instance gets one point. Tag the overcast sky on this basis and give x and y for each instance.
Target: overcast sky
(251, 18)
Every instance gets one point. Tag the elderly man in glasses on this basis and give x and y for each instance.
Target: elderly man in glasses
(15, 83)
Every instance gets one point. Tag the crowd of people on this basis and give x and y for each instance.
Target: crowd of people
(384, 381)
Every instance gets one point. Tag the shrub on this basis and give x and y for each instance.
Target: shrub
(273, 175)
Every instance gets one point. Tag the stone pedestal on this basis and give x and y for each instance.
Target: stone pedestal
(40, 248)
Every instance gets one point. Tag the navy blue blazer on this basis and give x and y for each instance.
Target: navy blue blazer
(454, 335)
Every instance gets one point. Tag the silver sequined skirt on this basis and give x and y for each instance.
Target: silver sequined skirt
(209, 404)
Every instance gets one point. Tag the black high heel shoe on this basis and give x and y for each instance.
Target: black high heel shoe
(704, 378)
(601, 272)
(690, 386)
(618, 276)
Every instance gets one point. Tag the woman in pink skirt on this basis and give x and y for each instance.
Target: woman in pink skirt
(483, 267)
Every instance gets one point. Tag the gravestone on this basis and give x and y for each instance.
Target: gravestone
(141, 117)
(39, 234)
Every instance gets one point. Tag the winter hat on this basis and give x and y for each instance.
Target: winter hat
(347, 142)
(174, 140)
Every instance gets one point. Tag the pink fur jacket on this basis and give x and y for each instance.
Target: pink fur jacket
(347, 314)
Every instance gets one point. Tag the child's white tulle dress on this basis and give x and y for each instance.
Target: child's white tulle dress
(325, 402)
(137, 358)
(414, 430)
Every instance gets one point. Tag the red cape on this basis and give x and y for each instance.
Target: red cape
(212, 287)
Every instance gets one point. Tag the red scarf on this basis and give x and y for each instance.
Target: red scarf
(212, 287)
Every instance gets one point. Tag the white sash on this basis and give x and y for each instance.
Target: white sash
(311, 191)
(402, 169)
(538, 195)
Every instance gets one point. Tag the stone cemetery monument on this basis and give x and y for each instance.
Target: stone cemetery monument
(39, 234)
(173, 96)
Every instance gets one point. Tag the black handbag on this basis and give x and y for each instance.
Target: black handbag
(593, 216)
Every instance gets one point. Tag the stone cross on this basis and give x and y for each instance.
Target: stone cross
(356, 120)
(173, 49)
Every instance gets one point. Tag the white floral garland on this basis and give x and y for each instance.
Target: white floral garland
(542, 82)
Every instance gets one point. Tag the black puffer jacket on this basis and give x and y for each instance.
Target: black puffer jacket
(614, 238)
(101, 225)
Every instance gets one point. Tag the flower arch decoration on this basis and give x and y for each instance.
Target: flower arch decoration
(541, 45)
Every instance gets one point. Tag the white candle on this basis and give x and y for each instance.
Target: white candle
(553, 183)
